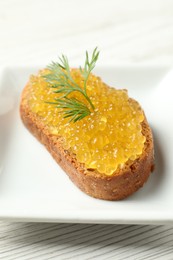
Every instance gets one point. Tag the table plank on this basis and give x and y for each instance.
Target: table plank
(84, 241)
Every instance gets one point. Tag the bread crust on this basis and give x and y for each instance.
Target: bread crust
(121, 184)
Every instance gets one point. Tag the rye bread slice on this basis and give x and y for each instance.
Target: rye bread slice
(118, 186)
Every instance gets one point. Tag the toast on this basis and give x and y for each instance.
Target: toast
(124, 181)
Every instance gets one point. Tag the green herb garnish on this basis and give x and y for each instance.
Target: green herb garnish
(60, 79)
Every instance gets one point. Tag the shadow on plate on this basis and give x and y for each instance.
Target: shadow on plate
(6, 121)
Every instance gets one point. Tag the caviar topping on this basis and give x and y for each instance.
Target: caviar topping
(105, 139)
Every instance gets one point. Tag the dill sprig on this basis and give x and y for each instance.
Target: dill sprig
(60, 79)
(73, 108)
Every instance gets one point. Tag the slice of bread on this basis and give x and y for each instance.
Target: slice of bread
(119, 185)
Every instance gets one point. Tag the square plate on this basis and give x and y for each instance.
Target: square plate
(34, 188)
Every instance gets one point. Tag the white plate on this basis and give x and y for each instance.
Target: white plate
(34, 188)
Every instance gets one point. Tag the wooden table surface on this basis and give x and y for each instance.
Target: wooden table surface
(126, 32)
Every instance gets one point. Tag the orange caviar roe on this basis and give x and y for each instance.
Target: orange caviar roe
(107, 138)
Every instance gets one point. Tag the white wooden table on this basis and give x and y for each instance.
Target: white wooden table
(35, 32)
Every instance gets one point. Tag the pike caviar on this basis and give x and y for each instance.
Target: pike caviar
(107, 138)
